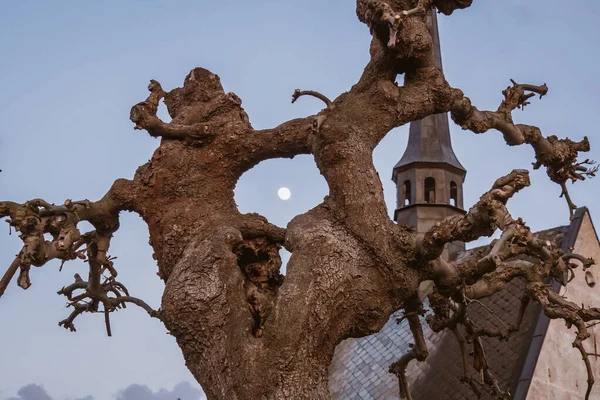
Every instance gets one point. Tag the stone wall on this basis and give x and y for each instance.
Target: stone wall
(560, 372)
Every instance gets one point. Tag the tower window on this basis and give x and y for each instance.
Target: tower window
(406, 193)
(429, 190)
(453, 194)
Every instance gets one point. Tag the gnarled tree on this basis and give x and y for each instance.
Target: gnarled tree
(247, 332)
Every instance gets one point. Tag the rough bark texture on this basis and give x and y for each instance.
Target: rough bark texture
(247, 332)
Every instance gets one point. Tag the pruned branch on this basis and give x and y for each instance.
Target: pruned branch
(417, 352)
(452, 312)
(559, 156)
(32, 220)
(555, 306)
(386, 22)
(465, 364)
(286, 141)
(449, 6)
(585, 261)
(143, 115)
(9, 274)
(487, 215)
(449, 314)
(67, 323)
(96, 293)
(299, 93)
(320, 118)
(255, 225)
(38, 217)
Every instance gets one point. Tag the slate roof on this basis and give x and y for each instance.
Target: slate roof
(504, 357)
(359, 369)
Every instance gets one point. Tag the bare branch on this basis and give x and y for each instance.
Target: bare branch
(386, 22)
(487, 215)
(418, 351)
(255, 226)
(122, 300)
(298, 93)
(68, 290)
(9, 274)
(449, 6)
(78, 309)
(144, 116)
(555, 306)
(559, 156)
(585, 261)
(489, 311)
(320, 118)
(286, 140)
(95, 293)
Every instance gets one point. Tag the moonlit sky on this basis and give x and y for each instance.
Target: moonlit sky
(71, 71)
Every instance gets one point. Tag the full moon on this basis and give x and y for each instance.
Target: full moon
(284, 193)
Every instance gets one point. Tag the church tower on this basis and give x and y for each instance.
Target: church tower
(429, 178)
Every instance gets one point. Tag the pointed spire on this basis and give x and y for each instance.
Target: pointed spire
(432, 25)
(429, 138)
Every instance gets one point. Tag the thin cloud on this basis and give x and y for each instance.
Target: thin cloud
(32, 392)
(182, 391)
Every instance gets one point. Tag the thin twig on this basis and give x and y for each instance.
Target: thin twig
(593, 324)
(490, 311)
(565, 194)
(107, 320)
(298, 93)
(578, 343)
(542, 90)
(463, 352)
(418, 351)
(9, 274)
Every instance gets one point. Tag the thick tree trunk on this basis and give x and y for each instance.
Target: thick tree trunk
(245, 331)
(205, 308)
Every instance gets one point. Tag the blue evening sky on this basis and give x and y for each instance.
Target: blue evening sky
(70, 71)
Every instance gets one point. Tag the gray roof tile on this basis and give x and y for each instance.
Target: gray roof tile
(359, 369)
